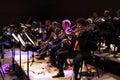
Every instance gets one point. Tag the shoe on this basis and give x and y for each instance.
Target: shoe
(54, 65)
(66, 67)
(37, 55)
(58, 75)
(40, 58)
(51, 65)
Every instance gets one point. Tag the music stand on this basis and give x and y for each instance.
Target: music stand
(13, 51)
(23, 44)
(18, 41)
(33, 47)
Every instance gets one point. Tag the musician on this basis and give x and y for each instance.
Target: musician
(52, 41)
(107, 15)
(116, 22)
(48, 28)
(108, 30)
(117, 15)
(55, 43)
(85, 45)
(64, 47)
(82, 51)
(43, 47)
(5, 37)
(55, 27)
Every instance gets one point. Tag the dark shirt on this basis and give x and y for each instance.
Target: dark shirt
(84, 43)
(48, 30)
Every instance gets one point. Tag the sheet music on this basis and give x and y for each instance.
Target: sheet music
(30, 39)
(21, 40)
(15, 37)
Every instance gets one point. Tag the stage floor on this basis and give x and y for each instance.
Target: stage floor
(40, 69)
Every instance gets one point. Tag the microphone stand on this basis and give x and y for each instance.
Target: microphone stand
(23, 44)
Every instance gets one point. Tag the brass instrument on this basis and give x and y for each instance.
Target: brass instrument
(100, 19)
(79, 31)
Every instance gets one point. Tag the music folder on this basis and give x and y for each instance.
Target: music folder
(15, 37)
(21, 40)
(30, 39)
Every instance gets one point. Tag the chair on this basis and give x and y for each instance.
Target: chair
(84, 64)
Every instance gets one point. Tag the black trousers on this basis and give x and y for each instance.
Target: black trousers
(78, 56)
(52, 55)
(62, 55)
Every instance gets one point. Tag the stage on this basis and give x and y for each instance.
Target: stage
(40, 69)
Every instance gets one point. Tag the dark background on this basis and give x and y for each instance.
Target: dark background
(15, 11)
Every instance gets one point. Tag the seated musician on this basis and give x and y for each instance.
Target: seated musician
(53, 42)
(48, 28)
(65, 47)
(43, 47)
(55, 35)
(55, 28)
(82, 51)
(57, 43)
(47, 45)
(84, 38)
